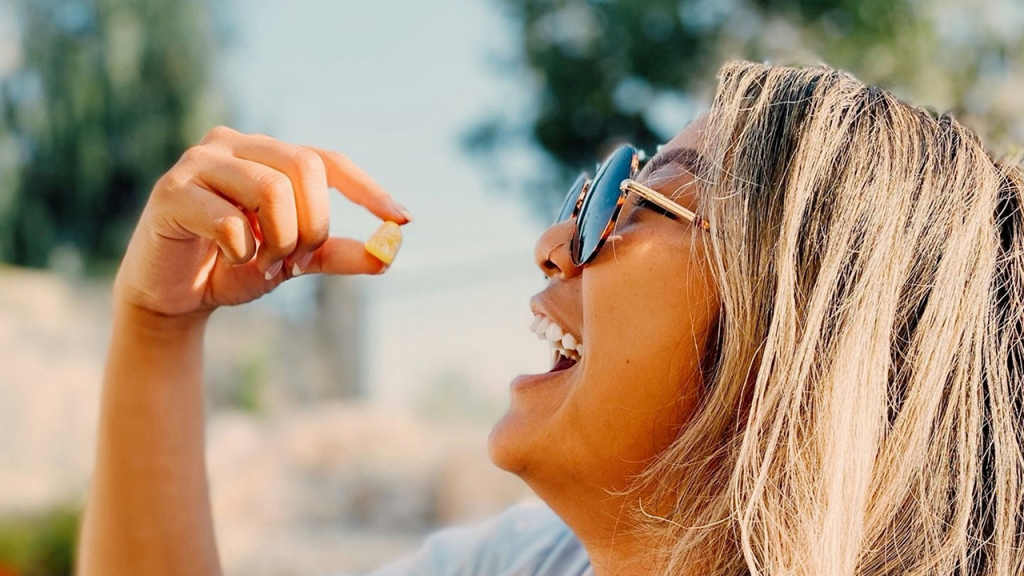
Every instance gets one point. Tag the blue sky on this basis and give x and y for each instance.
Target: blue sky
(393, 84)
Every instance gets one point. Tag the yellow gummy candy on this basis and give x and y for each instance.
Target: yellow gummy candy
(385, 242)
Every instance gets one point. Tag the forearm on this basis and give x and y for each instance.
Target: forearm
(149, 510)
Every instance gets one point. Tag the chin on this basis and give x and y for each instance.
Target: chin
(506, 445)
(529, 435)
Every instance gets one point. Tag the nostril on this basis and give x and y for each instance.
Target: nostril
(551, 252)
(548, 260)
(549, 266)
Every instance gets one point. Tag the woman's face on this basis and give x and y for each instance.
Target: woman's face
(642, 309)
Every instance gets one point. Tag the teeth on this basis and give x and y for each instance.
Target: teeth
(559, 352)
(568, 342)
(542, 328)
(562, 342)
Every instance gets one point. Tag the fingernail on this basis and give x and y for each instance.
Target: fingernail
(401, 210)
(273, 270)
(384, 269)
(299, 266)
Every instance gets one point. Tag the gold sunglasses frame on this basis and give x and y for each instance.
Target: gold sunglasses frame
(625, 188)
(662, 201)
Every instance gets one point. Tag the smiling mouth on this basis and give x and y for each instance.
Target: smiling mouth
(567, 349)
(562, 362)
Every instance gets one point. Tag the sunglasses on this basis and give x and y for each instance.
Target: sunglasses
(596, 203)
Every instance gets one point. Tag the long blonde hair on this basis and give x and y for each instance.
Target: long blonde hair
(863, 412)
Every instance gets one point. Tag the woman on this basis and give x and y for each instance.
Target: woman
(806, 362)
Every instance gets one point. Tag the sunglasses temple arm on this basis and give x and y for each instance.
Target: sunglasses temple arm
(662, 202)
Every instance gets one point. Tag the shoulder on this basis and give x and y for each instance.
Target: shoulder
(527, 539)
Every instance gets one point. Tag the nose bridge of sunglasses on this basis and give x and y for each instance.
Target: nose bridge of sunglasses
(573, 198)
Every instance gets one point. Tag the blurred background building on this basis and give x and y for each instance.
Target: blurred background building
(348, 416)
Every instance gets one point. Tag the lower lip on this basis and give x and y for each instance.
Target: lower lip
(524, 381)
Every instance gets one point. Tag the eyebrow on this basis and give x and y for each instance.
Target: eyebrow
(686, 158)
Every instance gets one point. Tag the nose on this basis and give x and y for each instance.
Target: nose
(552, 251)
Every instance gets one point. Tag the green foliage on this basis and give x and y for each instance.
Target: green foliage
(106, 96)
(40, 545)
(604, 70)
(249, 391)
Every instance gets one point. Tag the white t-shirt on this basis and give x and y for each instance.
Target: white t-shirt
(526, 540)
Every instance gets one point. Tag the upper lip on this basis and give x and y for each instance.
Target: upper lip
(540, 305)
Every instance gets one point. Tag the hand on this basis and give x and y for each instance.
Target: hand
(239, 214)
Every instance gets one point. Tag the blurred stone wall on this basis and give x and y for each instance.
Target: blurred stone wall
(300, 485)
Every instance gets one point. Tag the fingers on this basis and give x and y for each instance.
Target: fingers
(358, 187)
(282, 189)
(264, 192)
(307, 174)
(200, 213)
(344, 256)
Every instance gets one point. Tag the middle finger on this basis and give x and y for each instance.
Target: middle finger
(308, 176)
(264, 193)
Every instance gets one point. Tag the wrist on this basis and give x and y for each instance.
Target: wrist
(150, 323)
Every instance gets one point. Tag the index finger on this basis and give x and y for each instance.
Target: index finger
(358, 187)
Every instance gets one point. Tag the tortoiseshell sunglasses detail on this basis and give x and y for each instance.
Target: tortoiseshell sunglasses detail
(596, 203)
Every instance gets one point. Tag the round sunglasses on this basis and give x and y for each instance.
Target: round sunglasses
(596, 203)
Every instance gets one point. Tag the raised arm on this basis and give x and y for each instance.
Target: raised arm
(235, 217)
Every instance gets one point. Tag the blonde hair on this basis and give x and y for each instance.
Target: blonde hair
(863, 412)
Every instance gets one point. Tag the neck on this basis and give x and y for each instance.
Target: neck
(602, 523)
(610, 561)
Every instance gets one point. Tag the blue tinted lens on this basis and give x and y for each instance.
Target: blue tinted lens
(600, 204)
(569, 205)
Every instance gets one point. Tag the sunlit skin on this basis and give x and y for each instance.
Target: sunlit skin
(239, 214)
(643, 308)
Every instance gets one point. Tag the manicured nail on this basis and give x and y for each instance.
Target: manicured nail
(273, 270)
(299, 266)
(401, 210)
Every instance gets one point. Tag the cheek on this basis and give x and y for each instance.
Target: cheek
(646, 318)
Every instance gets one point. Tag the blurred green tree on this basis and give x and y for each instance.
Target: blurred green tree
(40, 545)
(103, 96)
(603, 71)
